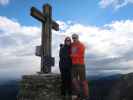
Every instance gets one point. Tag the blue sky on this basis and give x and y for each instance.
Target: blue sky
(85, 12)
(104, 26)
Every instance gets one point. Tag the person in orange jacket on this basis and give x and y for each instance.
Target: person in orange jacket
(77, 56)
(78, 68)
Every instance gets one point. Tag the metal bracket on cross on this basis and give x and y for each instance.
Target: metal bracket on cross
(38, 51)
(48, 61)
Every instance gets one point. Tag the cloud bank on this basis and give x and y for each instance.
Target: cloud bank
(108, 48)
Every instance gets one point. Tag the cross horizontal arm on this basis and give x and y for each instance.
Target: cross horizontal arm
(37, 14)
(55, 26)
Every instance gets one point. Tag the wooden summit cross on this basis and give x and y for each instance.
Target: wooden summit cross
(47, 25)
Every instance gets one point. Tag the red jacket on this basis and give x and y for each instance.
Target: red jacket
(77, 53)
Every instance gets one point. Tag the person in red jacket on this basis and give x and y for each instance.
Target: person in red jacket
(77, 56)
(78, 68)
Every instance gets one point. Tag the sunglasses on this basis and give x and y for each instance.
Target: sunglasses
(74, 38)
(68, 40)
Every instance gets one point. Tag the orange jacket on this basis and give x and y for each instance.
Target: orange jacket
(77, 53)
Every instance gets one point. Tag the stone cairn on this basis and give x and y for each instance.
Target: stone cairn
(40, 87)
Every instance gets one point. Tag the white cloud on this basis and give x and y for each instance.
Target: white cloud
(17, 45)
(115, 3)
(12, 27)
(4, 2)
(108, 47)
(97, 38)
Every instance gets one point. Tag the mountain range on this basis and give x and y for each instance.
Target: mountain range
(115, 87)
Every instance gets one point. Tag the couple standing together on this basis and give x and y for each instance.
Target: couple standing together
(72, 68)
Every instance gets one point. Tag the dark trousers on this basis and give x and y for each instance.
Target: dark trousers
(66, 82)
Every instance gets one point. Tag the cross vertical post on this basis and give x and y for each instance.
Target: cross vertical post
(46, 38)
